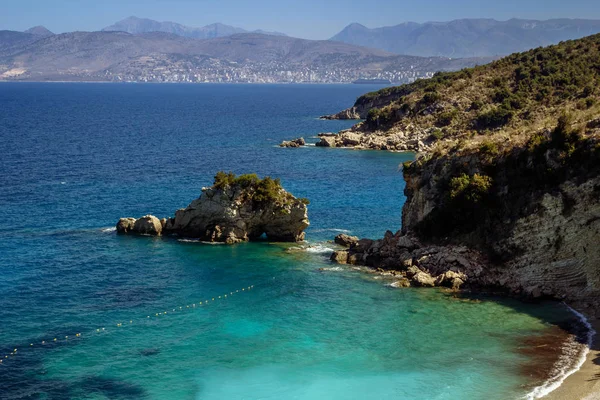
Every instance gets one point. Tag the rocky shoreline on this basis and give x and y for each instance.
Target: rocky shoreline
(411, 262)
(233, 210)
(398, 140)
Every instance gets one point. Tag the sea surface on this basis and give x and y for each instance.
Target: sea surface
(134, 317)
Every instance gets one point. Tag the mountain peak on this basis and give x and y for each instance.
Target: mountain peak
(136, 25)
(39, 31)
(356, 25)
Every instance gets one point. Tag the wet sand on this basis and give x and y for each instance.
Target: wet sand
(585, 383)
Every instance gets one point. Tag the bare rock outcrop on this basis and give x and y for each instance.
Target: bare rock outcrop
(414, 263)
(233, 210)
(350, 113)
(147, 225)
(345, 240)
(293, 143)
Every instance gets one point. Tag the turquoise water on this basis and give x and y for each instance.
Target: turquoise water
(76, 157)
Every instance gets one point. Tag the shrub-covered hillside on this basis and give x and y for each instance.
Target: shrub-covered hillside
(505, 101)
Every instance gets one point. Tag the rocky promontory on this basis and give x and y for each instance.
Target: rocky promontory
(233, 210)
(505, 188)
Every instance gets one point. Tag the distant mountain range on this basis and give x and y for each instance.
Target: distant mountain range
(137, 25)
(166, 57)
(467, 37)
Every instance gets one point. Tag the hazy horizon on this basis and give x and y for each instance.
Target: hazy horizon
(310, 20)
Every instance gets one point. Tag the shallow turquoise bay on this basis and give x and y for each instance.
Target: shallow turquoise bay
(76, 157)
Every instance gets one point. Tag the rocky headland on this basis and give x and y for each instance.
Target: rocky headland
(233, 210)
(504, 193)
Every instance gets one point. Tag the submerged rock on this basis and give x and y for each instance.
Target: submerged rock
(233, 210)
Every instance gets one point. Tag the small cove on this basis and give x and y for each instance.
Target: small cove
(79, 156)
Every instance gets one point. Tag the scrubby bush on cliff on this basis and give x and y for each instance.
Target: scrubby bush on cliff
(470, 189)
(494, 118)
(517, 93)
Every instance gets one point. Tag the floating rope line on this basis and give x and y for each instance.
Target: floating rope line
(80, 336)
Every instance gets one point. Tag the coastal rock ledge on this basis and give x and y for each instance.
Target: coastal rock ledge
(233, 210)
(411, 262)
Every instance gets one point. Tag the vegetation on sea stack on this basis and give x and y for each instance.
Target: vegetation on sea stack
(261, 191)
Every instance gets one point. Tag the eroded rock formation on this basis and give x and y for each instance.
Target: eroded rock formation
(233, 210)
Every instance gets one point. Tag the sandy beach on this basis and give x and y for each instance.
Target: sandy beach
(585, 383)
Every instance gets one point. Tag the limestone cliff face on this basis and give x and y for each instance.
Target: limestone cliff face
(538, 219)
(556, 248)
(233, 210)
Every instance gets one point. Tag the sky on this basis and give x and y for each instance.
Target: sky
(310, 19)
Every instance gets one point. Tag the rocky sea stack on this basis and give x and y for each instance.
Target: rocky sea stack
(233, 210)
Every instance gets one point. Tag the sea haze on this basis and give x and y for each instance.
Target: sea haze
(76, 157)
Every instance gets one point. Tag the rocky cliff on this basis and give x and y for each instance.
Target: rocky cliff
(233, 210)
(506, 190)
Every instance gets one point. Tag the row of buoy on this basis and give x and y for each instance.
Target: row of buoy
(78, 336)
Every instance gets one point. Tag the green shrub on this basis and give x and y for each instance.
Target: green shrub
(489, 148)
(471, 189)
(264, 190)
(430, 98)
(476, 105)
(494, 118)
(446, 118)
(437, 134)
(223, 179)
(268, 190)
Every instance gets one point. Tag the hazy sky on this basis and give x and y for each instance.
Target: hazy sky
(312, 19)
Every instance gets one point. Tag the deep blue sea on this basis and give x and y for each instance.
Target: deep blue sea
(134, 317)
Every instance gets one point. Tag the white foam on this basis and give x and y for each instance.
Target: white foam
(318, 249)
(109, 230)
(565, 366)
(336, 269)
(332, 230)
(199, 242)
